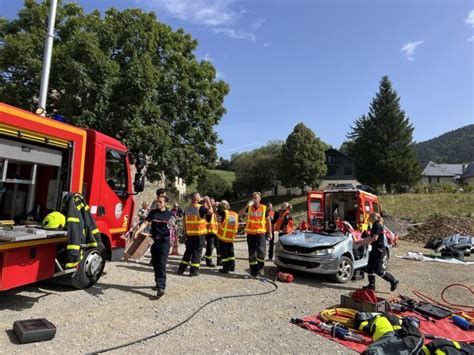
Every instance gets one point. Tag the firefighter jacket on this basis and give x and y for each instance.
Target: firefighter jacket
(391, 335)
(82, 231)
(256, 220)
(227, 229)
(281, 226)
(195, 225)
(447, 347)
(212, 225)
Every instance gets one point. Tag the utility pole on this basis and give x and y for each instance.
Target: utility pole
(48, 49)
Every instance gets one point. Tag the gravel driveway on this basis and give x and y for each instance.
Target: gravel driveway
(122, 308)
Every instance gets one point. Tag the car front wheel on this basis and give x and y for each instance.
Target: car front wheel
(345, 270)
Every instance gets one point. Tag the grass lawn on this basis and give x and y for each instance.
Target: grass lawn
(228, 176)
(422, 207)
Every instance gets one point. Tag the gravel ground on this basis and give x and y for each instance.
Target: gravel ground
(122, 308)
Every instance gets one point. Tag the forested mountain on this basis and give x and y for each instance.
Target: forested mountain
(453, 147)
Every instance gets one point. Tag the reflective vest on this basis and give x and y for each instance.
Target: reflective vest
(195, 225)
(271, 214)
(212, 225)
(288, 228)
(227, 229)
(256, 220)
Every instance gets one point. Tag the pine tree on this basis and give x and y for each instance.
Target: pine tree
(381, 143)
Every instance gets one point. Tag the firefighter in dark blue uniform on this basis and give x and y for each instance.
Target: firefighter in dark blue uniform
(161, 220)
(377, 253)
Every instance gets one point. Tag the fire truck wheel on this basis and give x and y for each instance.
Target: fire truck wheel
(90, 269)
(345, 270)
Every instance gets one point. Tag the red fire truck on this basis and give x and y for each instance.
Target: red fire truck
(41, 160)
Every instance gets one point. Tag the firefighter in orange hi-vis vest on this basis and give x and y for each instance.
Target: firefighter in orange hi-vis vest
(226, 232)
(257, 226)
(196, 217)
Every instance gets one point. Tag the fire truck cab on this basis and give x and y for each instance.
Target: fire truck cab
(41, 160)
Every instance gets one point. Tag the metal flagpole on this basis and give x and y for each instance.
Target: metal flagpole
(48, 49)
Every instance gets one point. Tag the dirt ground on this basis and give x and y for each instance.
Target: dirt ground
(122, 308)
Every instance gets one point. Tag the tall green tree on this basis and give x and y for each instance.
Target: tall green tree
(123, 73)
(302, 159)
(256, 170)
(381, 143)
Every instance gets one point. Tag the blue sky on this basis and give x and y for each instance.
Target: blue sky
(320, 61)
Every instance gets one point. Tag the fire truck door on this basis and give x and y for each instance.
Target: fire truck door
(115, 199)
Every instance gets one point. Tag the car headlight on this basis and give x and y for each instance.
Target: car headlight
(323, 251)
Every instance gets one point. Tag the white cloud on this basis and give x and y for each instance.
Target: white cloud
(202, 12)
(220, 75)
(470, 39)
(267, 45)
(207, 57)
(257, 24)
(470, 19)
(409, 48)
(236, 34)
(242, 147)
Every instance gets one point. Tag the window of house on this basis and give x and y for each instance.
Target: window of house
(429, 180)
(437, 179)
(116, 171)
(348, 171)
(332, 170)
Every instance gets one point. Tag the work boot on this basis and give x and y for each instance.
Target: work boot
(232, 266)
(393, 283)
(224, 271)
(209, 263)
(194, 271)
(160, 292)
(371, 285)
(182, 268)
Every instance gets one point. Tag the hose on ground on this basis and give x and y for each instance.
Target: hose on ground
(121, 346)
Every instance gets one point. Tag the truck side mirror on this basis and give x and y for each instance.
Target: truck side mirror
(139, 183)
(140, 162)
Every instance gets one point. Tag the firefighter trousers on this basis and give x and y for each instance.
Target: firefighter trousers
(159, 257)
(256, 244)
(227, 255)
(210, 243)
(192, 255)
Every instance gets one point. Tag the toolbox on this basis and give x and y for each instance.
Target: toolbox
(33, 330)
(137, 248)
(363, 306)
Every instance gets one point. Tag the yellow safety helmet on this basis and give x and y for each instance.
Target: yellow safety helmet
(54, 220)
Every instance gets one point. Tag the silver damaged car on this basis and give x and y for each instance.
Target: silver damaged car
(323, 253)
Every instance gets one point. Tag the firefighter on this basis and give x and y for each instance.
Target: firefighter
(377, 253)
(226, 232)
(284, 221)
(257, 226)
(195, 230)
(211, 234)
(161, 220)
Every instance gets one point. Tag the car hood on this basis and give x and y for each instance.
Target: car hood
(311, 240)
